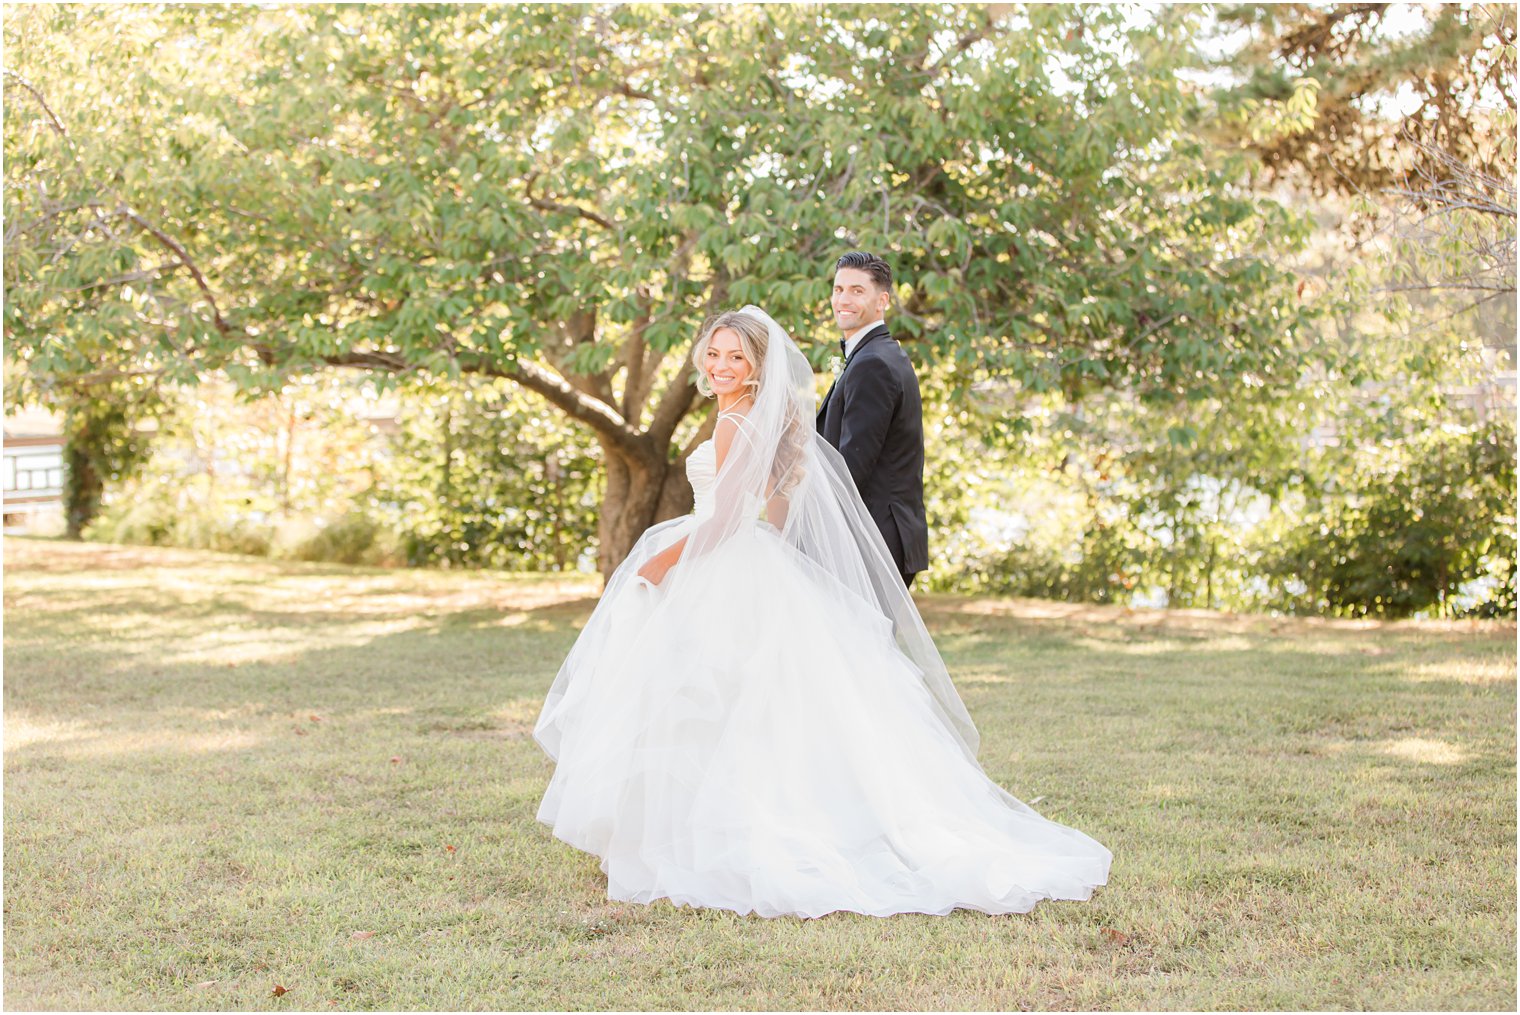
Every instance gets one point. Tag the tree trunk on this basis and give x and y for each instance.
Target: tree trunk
(83, 486)
(1208, 575)
(286, 459)
(641, 491)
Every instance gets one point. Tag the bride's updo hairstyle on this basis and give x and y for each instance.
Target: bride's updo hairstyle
(754, 338)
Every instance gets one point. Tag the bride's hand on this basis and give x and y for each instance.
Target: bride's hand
(655, 571)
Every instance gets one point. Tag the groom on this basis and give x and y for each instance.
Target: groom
(873, 415)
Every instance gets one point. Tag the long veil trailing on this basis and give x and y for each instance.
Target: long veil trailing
(780, 479)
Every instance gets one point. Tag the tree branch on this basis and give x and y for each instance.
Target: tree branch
(1156, 326)
(142, 275)
(57, 123)
(19, 229)
(679, 399)
(546, 205)
(184, 258)
(577, 330)
(635, 349)
(579, 406)
(703, 432)
(962, 44)
(626, 90)
(599, 416)
(370, 360)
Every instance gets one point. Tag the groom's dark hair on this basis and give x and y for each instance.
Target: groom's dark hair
(879, 270)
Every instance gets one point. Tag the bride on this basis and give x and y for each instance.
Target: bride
(755, 718)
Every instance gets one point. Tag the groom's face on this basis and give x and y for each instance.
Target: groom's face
(857, 301)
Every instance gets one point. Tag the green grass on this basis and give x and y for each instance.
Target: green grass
(223, 775)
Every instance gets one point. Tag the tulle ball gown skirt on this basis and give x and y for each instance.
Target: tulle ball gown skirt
(750, 738)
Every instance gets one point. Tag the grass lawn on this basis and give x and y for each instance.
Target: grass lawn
(225, 775)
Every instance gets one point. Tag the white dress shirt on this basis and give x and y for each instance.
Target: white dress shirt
(853, 340)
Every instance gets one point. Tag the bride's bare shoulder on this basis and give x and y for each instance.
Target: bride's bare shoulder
(731, 423)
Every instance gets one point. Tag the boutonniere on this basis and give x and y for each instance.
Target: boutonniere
(836, 364)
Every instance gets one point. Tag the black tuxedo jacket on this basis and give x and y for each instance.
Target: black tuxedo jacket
(874, 416)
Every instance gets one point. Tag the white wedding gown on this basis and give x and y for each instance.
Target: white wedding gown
(805, 774)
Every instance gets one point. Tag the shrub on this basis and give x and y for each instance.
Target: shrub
(1426, 524)
(354, 537)
(160, 521)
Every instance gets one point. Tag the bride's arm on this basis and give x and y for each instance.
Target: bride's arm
(659, 565)
(776, 511)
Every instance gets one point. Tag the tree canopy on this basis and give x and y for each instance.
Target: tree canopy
(1369, 94)
(559, 195)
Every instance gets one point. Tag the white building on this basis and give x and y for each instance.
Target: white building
(33, 472)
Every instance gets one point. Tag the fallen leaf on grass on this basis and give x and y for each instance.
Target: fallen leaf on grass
(207, 983)
(449, 849)
(395, 759)
(280, 991)
(316, 718)
(361, 935)
(1118, 937)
